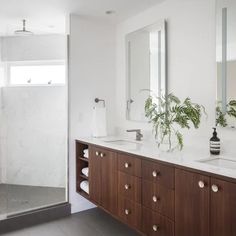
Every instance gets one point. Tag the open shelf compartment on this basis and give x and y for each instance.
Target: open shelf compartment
(81, 162)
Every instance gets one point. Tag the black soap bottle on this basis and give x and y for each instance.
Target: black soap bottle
(215, 144)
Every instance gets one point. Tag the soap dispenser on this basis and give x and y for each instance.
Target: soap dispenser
(215, 144)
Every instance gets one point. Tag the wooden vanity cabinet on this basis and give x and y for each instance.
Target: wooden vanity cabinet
(155, 198)
(103, 178)
(223, 208)
(204, 205)
(192, 200)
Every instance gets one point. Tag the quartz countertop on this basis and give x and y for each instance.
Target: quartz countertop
(188, 157)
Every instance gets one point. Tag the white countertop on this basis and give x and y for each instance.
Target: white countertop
(188, 157)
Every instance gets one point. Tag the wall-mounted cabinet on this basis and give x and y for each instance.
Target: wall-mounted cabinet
(204, 205)
(157, 198)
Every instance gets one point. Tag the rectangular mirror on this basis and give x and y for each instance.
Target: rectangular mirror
(145, 67)
(226, 63)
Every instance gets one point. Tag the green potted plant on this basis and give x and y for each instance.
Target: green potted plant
(167, 114)
(221, 118)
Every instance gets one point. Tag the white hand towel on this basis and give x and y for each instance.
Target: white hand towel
(99, 122)
(84, 185)
(86, 153)
(85, 171)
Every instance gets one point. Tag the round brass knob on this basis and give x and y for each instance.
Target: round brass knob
(155, 199)
(215, 188)
(97, 153)
(102, 155)
(155, 174)
(201, 184)
(127, 186)
(127, 212)
(155, 228)
(127, 165)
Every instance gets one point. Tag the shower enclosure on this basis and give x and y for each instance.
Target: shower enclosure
(33, 123)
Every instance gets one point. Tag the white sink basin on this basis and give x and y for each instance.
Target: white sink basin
(220, 162)
(124, 143)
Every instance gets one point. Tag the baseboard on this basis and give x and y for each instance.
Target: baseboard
(35, 217)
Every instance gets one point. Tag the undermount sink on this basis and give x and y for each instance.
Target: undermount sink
(125, 143)
(120, 142)
(221, 162)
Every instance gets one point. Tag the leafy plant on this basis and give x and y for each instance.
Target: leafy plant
(167, 112)
(230, 111)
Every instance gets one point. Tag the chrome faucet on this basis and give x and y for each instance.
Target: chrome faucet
(139, 135)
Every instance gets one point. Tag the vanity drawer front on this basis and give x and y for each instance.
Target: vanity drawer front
(158, 198)
(129, 164)
(129, 187)
(156, 225)
(99, 152)
(162, 174)
(130, 212)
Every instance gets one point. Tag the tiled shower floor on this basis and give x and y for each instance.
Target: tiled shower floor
(19, 198)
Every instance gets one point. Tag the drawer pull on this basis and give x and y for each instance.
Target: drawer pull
(201, 184)
(155, 199)
(155, 174)
(102, 155)
(127, 186)
(155, 228)
(215, 188)
(97, 153)
(127, 212)
(127, 165)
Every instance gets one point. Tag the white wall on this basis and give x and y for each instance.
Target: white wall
(37, 47)
(191, 55)
(35, 131)
(92, 74)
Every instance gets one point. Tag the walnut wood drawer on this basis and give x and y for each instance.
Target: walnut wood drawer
(98, 152)
(129, 164)
(158, 198)
(129, 187)
(130, 212)
(153, 224)
(159, 173)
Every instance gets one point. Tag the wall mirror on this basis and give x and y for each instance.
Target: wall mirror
(145, 67)
(226, 63)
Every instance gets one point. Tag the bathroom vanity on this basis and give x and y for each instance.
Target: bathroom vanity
(160, 194)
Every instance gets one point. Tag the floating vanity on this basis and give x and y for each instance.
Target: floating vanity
(166, 194)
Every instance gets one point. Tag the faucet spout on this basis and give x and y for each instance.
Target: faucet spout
(139, 135)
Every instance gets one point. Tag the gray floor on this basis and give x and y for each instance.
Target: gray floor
(18, 198)
(88, 223)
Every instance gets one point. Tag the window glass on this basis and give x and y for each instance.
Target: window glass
(37, 74)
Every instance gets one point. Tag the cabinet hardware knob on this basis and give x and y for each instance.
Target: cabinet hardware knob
(155, 228)
(127, 165)
(201, 184)
(155, 174)
(127, 212)
(127, 186)
(215, 188)
(155, 199)
(97, 153)
(102, 155)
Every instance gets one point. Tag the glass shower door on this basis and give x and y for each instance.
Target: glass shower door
(34, 143)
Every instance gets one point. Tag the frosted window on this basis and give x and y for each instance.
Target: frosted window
(37, 74)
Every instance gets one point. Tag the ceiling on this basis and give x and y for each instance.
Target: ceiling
(48, 16)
